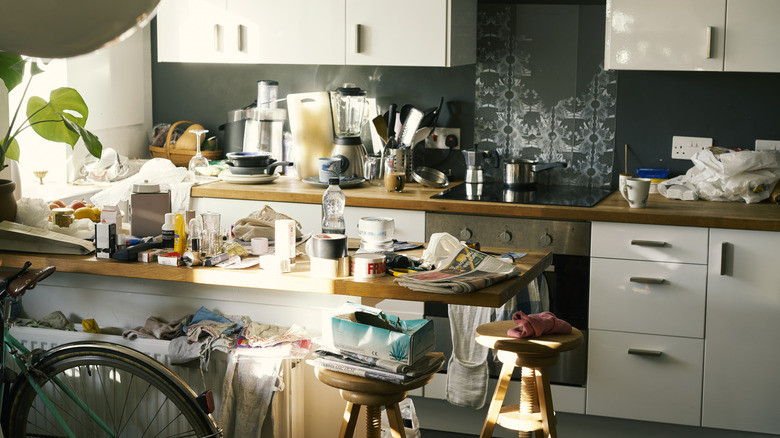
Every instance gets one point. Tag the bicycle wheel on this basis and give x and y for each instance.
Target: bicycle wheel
(132, 393)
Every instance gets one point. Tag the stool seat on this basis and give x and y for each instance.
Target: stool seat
(372, 393)
(535, 355)
(493, 335)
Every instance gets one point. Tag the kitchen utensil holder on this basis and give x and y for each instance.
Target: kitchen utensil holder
(180, 157)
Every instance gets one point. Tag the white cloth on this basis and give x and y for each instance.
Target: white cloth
(156, 171)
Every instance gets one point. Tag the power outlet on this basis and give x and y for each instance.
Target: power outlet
(438, 138)
(683, 148)
(767, 145)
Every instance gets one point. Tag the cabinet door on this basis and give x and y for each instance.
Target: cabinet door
(665, 34)
(403, 32)
(292, 31)
(752, 36)
(644, 377)
(742, 357)
(191, 31)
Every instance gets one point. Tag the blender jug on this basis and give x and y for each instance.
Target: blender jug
(349, 108)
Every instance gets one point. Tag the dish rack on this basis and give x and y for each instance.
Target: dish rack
(180, 156)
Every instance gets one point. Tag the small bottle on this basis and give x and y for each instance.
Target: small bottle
(179, 235)
(333, 202)
(168, 231)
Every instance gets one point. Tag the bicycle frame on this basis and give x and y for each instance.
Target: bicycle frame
(17, 351)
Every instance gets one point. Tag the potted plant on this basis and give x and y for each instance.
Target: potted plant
(61, 119)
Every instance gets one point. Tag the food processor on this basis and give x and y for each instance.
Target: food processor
(348, 105)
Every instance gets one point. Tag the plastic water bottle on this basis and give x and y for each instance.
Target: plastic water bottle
(333, 208)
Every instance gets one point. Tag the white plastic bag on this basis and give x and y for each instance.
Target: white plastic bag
(409, 416)
(726, 175)
(440, 249)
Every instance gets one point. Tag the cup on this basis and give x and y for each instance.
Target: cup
(372, 170)
(259, 245)
(211, 241)
(395, 179)
(635, 191)
(328, 168)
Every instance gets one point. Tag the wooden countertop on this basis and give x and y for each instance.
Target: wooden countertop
(300, 280)
(659, 211)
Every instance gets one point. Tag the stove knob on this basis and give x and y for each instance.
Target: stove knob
(505, 237)
(546, 239)
(465, 234)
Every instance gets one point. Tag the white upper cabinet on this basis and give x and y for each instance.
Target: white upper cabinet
(752, 36)
(437, 33)
(712, 35)
(665, 34)
(440, 33)
(293, 31)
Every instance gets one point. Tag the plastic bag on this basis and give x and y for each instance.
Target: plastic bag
(409, 416)
(721, 174)
(440, 249)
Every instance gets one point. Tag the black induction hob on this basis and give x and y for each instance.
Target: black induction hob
(538, 195)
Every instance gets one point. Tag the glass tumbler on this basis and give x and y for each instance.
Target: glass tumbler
(212, 235)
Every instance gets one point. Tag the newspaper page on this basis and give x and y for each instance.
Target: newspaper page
(466, 271)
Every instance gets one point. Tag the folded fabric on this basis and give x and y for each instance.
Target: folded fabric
(538, 324)
(158, 328)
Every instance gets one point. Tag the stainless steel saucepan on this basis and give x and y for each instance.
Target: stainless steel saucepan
(519, 172)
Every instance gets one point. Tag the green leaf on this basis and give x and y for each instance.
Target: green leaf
(45, 117)
(13, 150)
(91, 141)
(11, 70)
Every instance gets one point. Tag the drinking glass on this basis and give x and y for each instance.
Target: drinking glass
(198, 163)
(212, 234)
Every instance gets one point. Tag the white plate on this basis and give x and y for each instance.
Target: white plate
(226, 176)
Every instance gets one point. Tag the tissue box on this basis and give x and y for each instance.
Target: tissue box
(380, 340)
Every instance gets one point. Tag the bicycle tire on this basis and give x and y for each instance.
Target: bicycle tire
(134, 394)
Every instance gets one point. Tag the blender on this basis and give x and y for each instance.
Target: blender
(348, 105)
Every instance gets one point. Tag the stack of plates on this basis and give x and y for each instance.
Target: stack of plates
(227, 176)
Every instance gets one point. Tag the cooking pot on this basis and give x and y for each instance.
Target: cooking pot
(523, 172)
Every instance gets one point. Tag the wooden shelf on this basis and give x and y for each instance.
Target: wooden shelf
(300, 280)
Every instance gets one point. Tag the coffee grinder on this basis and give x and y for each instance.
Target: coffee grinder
(348, 105)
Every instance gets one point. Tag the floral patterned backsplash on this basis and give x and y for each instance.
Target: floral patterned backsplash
(542, 92)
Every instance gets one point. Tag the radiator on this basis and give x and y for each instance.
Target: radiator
(288, 403)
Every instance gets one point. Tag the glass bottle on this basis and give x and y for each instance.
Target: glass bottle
(333, 202)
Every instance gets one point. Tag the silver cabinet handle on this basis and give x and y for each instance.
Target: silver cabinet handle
(357, 38)
(709, 42)
(641, 352)
(647, 280)
(241, 34)
(654, 243)
(217, 37)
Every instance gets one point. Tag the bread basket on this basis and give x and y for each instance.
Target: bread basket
(180, 156)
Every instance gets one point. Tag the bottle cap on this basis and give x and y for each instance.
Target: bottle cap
(169, 218)
(334, 180)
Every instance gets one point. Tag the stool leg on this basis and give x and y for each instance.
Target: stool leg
(349, 421)
(497, 401)
(396, 421)
(546, 403)
(373, 421)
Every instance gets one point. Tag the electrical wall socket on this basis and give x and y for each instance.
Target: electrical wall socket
(683, 148)
(768, 145)
(437, 138)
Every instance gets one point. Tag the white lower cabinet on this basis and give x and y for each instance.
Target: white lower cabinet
(645, 377)
(742, 351)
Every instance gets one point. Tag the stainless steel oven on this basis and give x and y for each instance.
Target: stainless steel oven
(567, 278)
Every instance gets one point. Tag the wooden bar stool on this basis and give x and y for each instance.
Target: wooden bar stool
(535, 412)
(373, 394)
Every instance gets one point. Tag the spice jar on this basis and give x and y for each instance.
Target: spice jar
(62, 217)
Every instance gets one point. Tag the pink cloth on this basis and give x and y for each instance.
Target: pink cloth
(538, 324)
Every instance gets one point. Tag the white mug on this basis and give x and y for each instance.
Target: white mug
(635, 191)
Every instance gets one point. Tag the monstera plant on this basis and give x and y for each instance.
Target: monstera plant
(60, 119)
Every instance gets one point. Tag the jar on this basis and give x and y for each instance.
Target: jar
(62, 217)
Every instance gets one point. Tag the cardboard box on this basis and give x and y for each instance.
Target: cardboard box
(380, 335)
